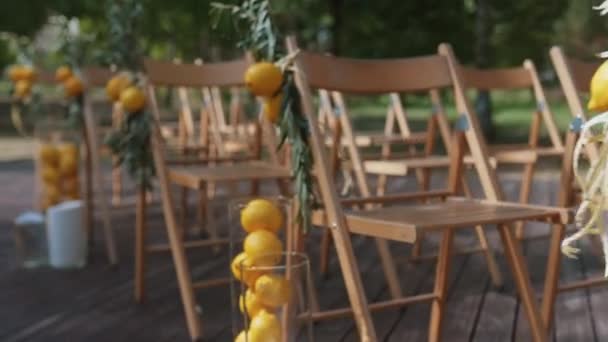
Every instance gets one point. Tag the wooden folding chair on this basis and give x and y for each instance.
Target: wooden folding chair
(388, 164)
(404, 223)
(195, 175)
(524, 77)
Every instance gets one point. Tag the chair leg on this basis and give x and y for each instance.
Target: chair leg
(425, 183)
(488, 253)
(551, 287)
(184, 209)
(442, 275)
(116, 183)
(184, 280)
(521, 277)
(326, 242)
(202, 208)
(524, 196)
(140, 247)
(388, 266)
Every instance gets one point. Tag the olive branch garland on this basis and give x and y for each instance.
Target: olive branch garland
(253, 24)
(131, 141)
(25, 98)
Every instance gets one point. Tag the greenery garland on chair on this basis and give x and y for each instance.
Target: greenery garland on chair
(130, 142)
(25, 97)
(272, 80)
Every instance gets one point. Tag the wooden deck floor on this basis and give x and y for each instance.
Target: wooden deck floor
(95, 303)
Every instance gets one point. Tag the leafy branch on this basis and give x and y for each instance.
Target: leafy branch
(253, 24)
(131, 141)
(252, 21)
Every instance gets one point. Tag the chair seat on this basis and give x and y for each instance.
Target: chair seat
(401, 167)
(404, 222)
(379, 138)
(542, 151)
(195, 176)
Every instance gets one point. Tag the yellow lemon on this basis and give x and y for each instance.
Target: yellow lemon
(73, 86)
(261, 214)
(249, 277)
(263, 248)
(69, 150)
(263, 79)
(241, 337)
(264, 327)
(15, 73)
(49, 175)
(250, 304)
(68, 166)
(599, 89)
(132, 99)
(272, 290)
(22, 88)
(28, 73)
(52, 194)
(272, 108)
(116, 85)
(71, 186)
(49, 155)
(63, 73)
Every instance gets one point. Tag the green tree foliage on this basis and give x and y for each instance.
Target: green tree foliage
(581, 30)
(360, 28)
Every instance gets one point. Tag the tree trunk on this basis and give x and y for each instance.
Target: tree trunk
(483, 31)
(336, 8)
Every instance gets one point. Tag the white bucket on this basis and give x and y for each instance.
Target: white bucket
(67, 236)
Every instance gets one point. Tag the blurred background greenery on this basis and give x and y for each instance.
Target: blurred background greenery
(485, 33)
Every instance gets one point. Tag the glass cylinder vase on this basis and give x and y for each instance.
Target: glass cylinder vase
(270, 291)
(57, 161)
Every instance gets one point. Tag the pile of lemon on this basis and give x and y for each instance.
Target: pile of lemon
(264, 79)
(120, 88)
(72, 84)
(23, 77)
(59, 173)
(266, 292)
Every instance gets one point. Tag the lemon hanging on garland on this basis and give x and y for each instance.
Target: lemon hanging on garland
(599, 89)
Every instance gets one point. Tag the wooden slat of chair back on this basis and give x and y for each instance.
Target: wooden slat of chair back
(45, 77)
(222, 74)
(495, 79)
(97, 76)
(360, 76)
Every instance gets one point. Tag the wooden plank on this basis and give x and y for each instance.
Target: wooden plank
(573, 321)
(412, 324)
(597, 296)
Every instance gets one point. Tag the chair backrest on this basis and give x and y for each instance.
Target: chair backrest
(574, 76)
(203, 77)
(97, 76)
(524, 77)
(403, 75)
(426, 73)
